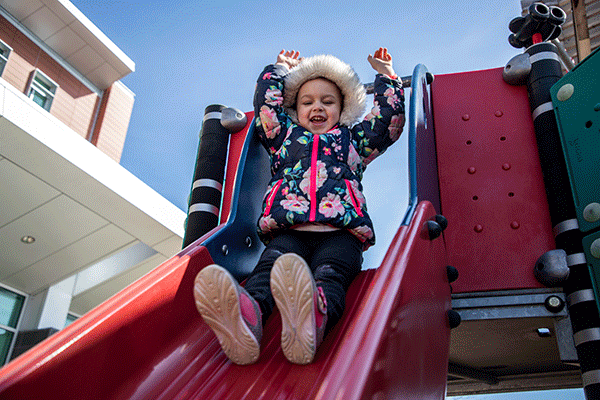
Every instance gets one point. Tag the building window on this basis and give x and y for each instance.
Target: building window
(70, 319)
(42, 90)
(4, 52)
(11, 306)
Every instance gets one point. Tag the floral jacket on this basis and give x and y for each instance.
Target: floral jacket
(316, 178)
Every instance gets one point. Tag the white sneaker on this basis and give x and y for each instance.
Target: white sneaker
(302, 306)
(232, 314)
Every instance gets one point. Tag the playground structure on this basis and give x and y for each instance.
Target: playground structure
(473, 158)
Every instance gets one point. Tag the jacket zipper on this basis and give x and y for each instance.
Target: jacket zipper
(353, 198)
(271, 197)
(313, 178)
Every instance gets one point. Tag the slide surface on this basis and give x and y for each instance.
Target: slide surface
(148, 342)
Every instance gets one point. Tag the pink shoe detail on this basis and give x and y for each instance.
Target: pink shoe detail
(249, 313)
(320, 306)
(230, 312)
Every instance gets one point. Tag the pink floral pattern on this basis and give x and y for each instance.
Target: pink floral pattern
(353, 158)
(395, 127)
(273, 97)
(294, 203)
(375, 112)
(331, 206)
(266, 224)
(269, 122)
(363, 232)
(321, 177)
(392, 98)
(374, 154)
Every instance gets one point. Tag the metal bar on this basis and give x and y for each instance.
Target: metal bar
(416, 117)
(406, 82)
(507, 306)
(564, 56)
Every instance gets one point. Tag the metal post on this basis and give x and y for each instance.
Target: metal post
(545, 72)
(542, 70)
(205, 198)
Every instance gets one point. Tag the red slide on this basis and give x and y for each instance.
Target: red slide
(148, 342)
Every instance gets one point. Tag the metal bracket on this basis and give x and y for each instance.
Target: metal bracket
(507, 304)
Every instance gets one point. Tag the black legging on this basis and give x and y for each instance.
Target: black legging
(335, 259)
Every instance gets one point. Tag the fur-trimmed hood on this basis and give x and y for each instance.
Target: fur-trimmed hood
(335, 70)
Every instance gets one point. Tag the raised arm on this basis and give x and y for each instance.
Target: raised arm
(383, 125)
(271, 118)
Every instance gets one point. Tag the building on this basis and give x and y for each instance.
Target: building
(588, 21)
(75, 226)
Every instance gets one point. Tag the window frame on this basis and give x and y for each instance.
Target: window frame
(15, 330)
(35, 86)
(71, 317)
(4, 59)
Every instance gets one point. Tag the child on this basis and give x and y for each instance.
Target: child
(314, 223)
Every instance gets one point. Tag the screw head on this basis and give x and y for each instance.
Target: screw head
(565, 92)
(591, 212)
(595, 248)
(554, 304)
(454, 319)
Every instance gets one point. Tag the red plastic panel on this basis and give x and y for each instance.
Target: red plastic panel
(148, 342)
(236, 144)
(398, 347)
(491, 184)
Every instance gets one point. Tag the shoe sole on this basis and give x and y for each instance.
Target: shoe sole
(217, 300)
(293, 289)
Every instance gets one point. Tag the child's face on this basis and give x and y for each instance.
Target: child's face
(319, 104)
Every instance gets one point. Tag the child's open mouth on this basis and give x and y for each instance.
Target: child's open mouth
(318, 119)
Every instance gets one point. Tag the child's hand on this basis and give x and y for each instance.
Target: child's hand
(289, 58)
(382, 62)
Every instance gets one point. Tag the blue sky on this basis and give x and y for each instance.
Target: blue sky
(191, 53)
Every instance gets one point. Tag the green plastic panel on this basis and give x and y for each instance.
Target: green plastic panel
(576, 101)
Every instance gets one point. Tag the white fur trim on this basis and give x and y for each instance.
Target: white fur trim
(335, 70)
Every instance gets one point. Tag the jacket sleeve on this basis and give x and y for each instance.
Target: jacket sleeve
(269, 114)
(383, 125)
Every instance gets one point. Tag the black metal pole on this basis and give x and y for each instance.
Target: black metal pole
(205, 197)
(585, 320)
